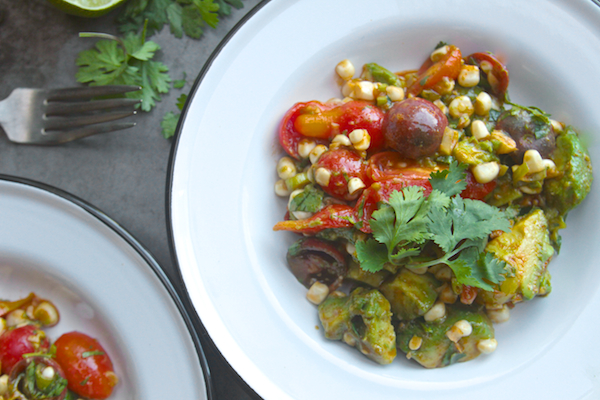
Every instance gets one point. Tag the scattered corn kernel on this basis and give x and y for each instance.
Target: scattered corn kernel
(459, 330)
(345, 69)
(447, 295)
(395, 93)
(557, 126)
(487, 346)
(317, 293)
(440, 104)
(507, 144)
(468, 76)
(281, 189)
(322, 176)
(479, 130)
(436, 312)
(360, 139)
(483, 104)
(341, 140)
(444, 274)
(415, 343)
(486, 172)
(438, 53)
(420, 271)
(305, 146)
(349, 339)
(364, 90)
(449, 141)
(16, 318)
(316, 153)
(444, 86)
(500, 315)
(3, 385)
(286, 168)
(348, 88)
(460, 106)
(351, 249)
(534, 161)
(46, 313)
(355, 185)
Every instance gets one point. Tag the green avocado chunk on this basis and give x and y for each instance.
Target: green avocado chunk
(574, 183)
(362, 320)
(527, 249)
(410, 295)
(436, 349)
(378, 73)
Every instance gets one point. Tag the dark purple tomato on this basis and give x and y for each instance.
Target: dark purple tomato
(528, 131)
(414, 127)
(312, 260)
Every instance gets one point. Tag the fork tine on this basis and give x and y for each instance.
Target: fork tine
(80, 107)
(58, 137)
(87, 92)
(58, 123)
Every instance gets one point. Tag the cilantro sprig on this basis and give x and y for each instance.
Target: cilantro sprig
(404, 225)
(188, 17)
(126, 61)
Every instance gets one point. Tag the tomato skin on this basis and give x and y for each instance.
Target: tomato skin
(92, 376)
(320, 122)
(431, 73)
(476, 190)
(343, 164)
(16, 342)
(497, 75)
(387, 164)
(289, 137)
(362, 115)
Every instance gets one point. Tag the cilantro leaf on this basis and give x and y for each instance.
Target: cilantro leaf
(169, 124)
(478, 269)
(450, 181)
(310, 200)
(225, 6)
(125, 61)
(175, 18)
(371, 254)
(181, 101)
(180, 83)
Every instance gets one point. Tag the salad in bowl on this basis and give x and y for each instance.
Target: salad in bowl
(427, 205)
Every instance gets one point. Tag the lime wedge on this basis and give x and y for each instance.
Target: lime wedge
(86, 8)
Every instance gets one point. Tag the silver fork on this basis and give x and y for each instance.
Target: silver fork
(54, 116)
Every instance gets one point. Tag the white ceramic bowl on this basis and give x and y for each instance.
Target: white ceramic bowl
(104, 284)
(223, 208)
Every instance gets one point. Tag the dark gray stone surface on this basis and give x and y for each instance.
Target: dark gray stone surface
(124, 173)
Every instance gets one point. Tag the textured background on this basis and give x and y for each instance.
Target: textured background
(121, 173)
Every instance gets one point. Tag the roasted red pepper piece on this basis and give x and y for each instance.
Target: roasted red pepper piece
(332, 216)
(431, 73)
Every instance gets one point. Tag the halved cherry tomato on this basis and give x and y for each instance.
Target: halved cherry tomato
(289, 137)
(476, 190)
(343, 165)
(332, 216)
(431, 73)
(86, 364)
(388, 164)
(495, 70)
(18, 341)
(321, 122)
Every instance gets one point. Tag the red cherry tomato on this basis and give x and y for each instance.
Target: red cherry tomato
(476, 190)
(431, 73)
(321, 122)
(362, 115)
(495, 70)
(23, 340)
(289, 136)
(343, 164)
(388, 164)
(87, 367)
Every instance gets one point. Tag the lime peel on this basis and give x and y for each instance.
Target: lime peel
(87, 8)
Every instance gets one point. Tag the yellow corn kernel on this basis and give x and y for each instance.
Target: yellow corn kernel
(483, 104)
(460, 106)
(468, 76)
(345, 69)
